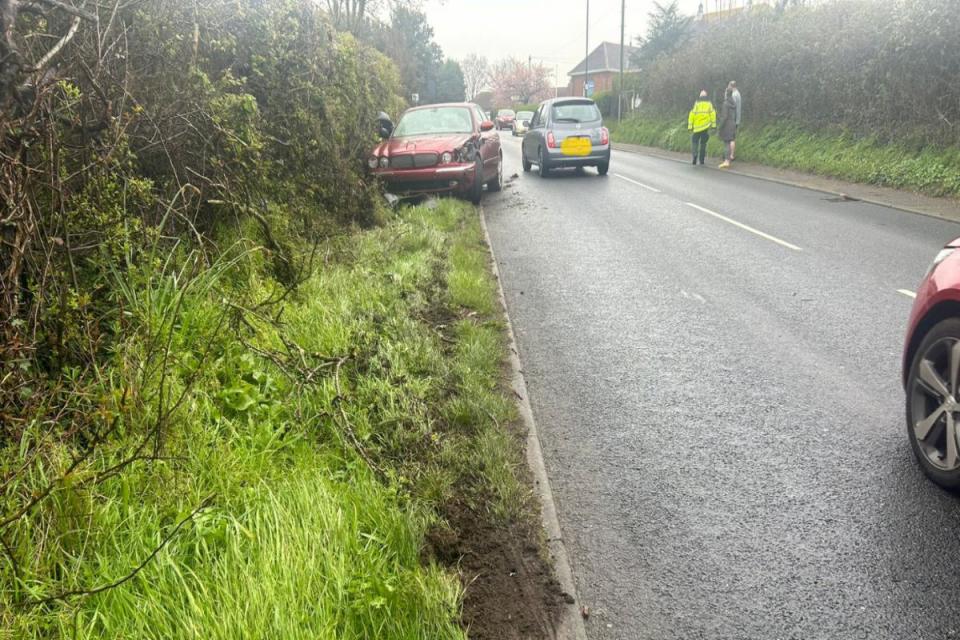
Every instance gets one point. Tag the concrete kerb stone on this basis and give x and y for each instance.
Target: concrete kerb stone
(570, 626)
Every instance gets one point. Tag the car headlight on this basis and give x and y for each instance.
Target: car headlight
(384, 163)
(446, 158)
(372, 162)
(943, 255)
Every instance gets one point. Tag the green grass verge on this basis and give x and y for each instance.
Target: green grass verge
(934, 171)
(332, 436)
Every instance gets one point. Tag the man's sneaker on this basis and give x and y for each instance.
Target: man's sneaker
(724, 165)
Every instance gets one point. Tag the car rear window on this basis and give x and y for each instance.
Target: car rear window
(574, 112)
(505, 112)
(525, 115)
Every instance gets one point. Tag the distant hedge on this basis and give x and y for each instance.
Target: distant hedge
(890, 69)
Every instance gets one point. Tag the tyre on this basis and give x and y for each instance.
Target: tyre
(497, 183)
(476, 192)
(526, 163)
(603, 168)
(542, 167)
(932, 408)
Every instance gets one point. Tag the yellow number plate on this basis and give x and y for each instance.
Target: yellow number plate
(576, 147)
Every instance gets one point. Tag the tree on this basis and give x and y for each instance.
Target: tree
(408, 40)
(783, 4)
(517, 81)
(476, 74)
(668, 31)
(450, 84)
(350, 15)
(356, 16)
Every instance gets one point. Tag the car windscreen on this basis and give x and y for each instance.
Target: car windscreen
(574, 112)
(505, 112)
(525, 115)
(439, 120)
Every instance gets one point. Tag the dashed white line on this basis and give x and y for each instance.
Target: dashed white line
(767, 236)
(639, 184)
(908, 293)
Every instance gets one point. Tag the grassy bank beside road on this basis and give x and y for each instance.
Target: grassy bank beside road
(835, 154)
(344, 452)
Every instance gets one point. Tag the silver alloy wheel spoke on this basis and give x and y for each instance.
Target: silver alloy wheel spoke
(954, 367)
(932, 380)
(950, 454)
(923, 427)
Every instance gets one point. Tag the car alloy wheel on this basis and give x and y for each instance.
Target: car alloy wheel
(932, 408)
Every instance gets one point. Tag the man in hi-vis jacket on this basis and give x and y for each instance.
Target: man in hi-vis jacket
(702, 118)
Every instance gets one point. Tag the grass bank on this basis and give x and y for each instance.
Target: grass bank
(839, 155)
(325, 463)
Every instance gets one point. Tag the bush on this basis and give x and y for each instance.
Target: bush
(832, 153)
(607, 103)
(143, 137)
(876, 68)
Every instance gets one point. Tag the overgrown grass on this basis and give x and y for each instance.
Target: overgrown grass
(331, 438)
(935, 171)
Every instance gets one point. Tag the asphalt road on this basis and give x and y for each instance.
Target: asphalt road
(719, 402)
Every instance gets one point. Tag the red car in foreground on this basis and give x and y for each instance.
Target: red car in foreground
(931, 370)
(440, 148)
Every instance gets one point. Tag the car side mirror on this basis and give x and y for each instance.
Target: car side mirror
(526, 123)
(486, 125)
(385, 124)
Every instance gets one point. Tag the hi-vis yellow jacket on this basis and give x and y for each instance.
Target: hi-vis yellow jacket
(702, 117)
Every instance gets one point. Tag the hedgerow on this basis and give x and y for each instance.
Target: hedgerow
(875, 69)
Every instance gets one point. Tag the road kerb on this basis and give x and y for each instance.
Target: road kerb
(931, 212)
(570, 626)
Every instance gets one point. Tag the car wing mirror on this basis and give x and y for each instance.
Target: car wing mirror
(385, 124)
(526, 123)
(486, 125)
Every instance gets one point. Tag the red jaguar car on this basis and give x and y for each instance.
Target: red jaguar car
(931, 370)
(440, 148)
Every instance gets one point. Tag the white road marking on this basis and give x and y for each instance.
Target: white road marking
(639, 184)
(693, 296)
(907, 292)
(769, 237)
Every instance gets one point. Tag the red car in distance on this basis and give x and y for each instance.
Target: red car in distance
(505, 118)
(931, 370)
(440, 148)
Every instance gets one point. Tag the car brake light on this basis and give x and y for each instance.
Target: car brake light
(551, 141)
(604, 135)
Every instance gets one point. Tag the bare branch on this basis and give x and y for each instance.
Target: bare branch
(68, 8)
(45, 60)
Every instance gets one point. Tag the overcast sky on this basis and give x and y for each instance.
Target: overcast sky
(552, 31)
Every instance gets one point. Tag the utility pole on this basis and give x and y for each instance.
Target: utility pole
(586, 59)
(623, 22)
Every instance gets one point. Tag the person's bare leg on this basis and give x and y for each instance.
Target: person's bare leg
(733, 150)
